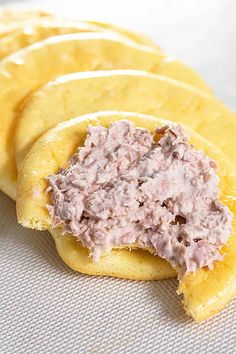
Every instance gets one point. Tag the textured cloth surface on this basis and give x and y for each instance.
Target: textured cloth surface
(47, 308)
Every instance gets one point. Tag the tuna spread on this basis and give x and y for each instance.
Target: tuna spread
(127, 187)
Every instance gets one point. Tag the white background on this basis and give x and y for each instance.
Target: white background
(47, 308)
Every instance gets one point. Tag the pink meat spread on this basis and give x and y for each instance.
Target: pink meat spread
(124, 187)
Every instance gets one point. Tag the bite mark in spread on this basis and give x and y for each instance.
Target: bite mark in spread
(123, 187)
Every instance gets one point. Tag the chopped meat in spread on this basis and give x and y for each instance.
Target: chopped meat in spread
(123, 187)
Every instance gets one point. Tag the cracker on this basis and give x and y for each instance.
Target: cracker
(205, 291)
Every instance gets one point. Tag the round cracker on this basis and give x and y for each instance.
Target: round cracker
(205, 291)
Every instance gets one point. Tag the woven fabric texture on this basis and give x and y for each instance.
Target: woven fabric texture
(47, 308)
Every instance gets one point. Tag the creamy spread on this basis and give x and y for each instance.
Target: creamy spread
(127, 186)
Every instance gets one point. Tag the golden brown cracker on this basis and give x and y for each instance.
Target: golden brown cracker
(205, 291)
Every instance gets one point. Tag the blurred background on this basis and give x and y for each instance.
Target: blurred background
(200, 32)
